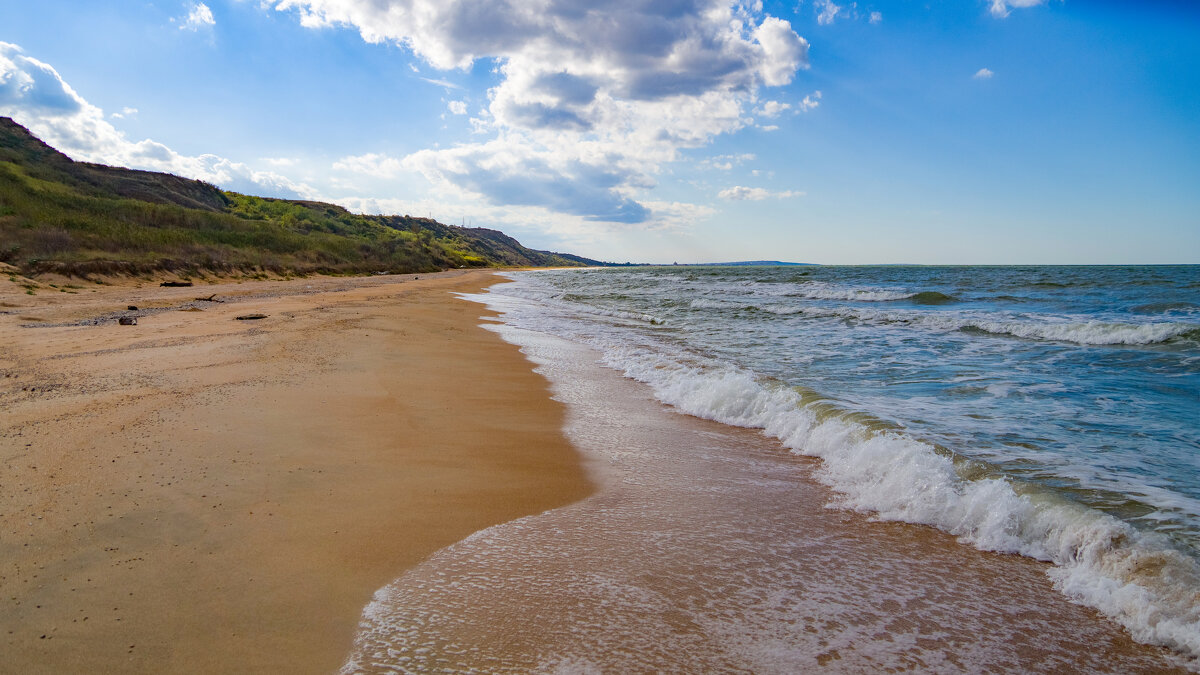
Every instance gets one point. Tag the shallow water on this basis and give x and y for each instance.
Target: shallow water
(1081, 380)
(1048, 411)
(711, 548)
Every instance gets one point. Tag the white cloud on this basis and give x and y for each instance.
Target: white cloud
(591, 101)
(772, 109)
(457, 107)
(826, 11)
(983, 74)
(125, 112)
(371, 164)
(876, 17)
(1000, 8)
(727, 162)
(810, 102)
(200, 16)
(33, 94)
(740, 193)
(441, 83)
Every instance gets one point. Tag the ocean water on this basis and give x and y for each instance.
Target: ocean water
(768, 442)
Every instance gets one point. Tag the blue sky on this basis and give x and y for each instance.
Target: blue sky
(972, 131)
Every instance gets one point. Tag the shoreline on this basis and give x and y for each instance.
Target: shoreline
(199, 494)
(710, 548)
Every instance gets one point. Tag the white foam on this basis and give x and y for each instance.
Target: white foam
(1138, 579)
(816, 290)
(1135, 578)
(1074, 329)
(1060, 329)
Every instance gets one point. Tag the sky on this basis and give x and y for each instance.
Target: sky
(937, 132)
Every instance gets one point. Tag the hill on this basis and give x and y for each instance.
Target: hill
(76, 218)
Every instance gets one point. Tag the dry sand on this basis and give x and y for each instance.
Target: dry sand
(201, 494)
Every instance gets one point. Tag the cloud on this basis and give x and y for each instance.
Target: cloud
(1000, 8)
(507, 174)
(441, 83)
(983, 74)
(457, 107)
(33, 94)
(727, 162)
(29, 84)
(591, 100)
(371, 164)
(200, 16)
(826, 11)
(875, 17)
(125, 112)
(740, 193)
(772, 109)
(810, 102)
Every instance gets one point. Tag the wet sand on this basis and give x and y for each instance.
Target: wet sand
(201, 494)
(709, 548)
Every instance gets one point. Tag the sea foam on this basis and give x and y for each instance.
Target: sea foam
(1033, 327)
(1137, 579)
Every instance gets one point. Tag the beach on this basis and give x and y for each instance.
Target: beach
(197, 493)
(389, 474)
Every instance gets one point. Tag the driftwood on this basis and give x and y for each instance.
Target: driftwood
(251, 317)
(211, 298)
(175, 284)
(132, 308)
(127, 321)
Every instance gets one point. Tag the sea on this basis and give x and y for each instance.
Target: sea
(943, 469)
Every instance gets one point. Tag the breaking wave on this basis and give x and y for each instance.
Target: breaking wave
(1087, 332)
(1136, 578)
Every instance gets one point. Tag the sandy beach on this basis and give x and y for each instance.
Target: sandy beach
(197, 493)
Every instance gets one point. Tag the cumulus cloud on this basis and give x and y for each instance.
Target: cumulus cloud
(125, 112)
(740, 193)
(590, 101)
(875, 17)
(507, 174)
(200, 16)
(810, 102)
(772, 109)
(33, 94)
(983, 74)
(457, 107)
(1000, 8)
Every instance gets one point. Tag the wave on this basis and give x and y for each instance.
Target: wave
(813, 291)
(1164, 307)
(1089, 332)
(932, 298)
(1136, 578)
(565, 302)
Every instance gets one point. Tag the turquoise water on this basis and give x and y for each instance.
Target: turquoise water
(1048, 411)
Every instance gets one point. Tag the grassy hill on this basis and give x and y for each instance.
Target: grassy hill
(74, 218)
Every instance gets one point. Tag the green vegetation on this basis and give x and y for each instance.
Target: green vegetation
(74, 218)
